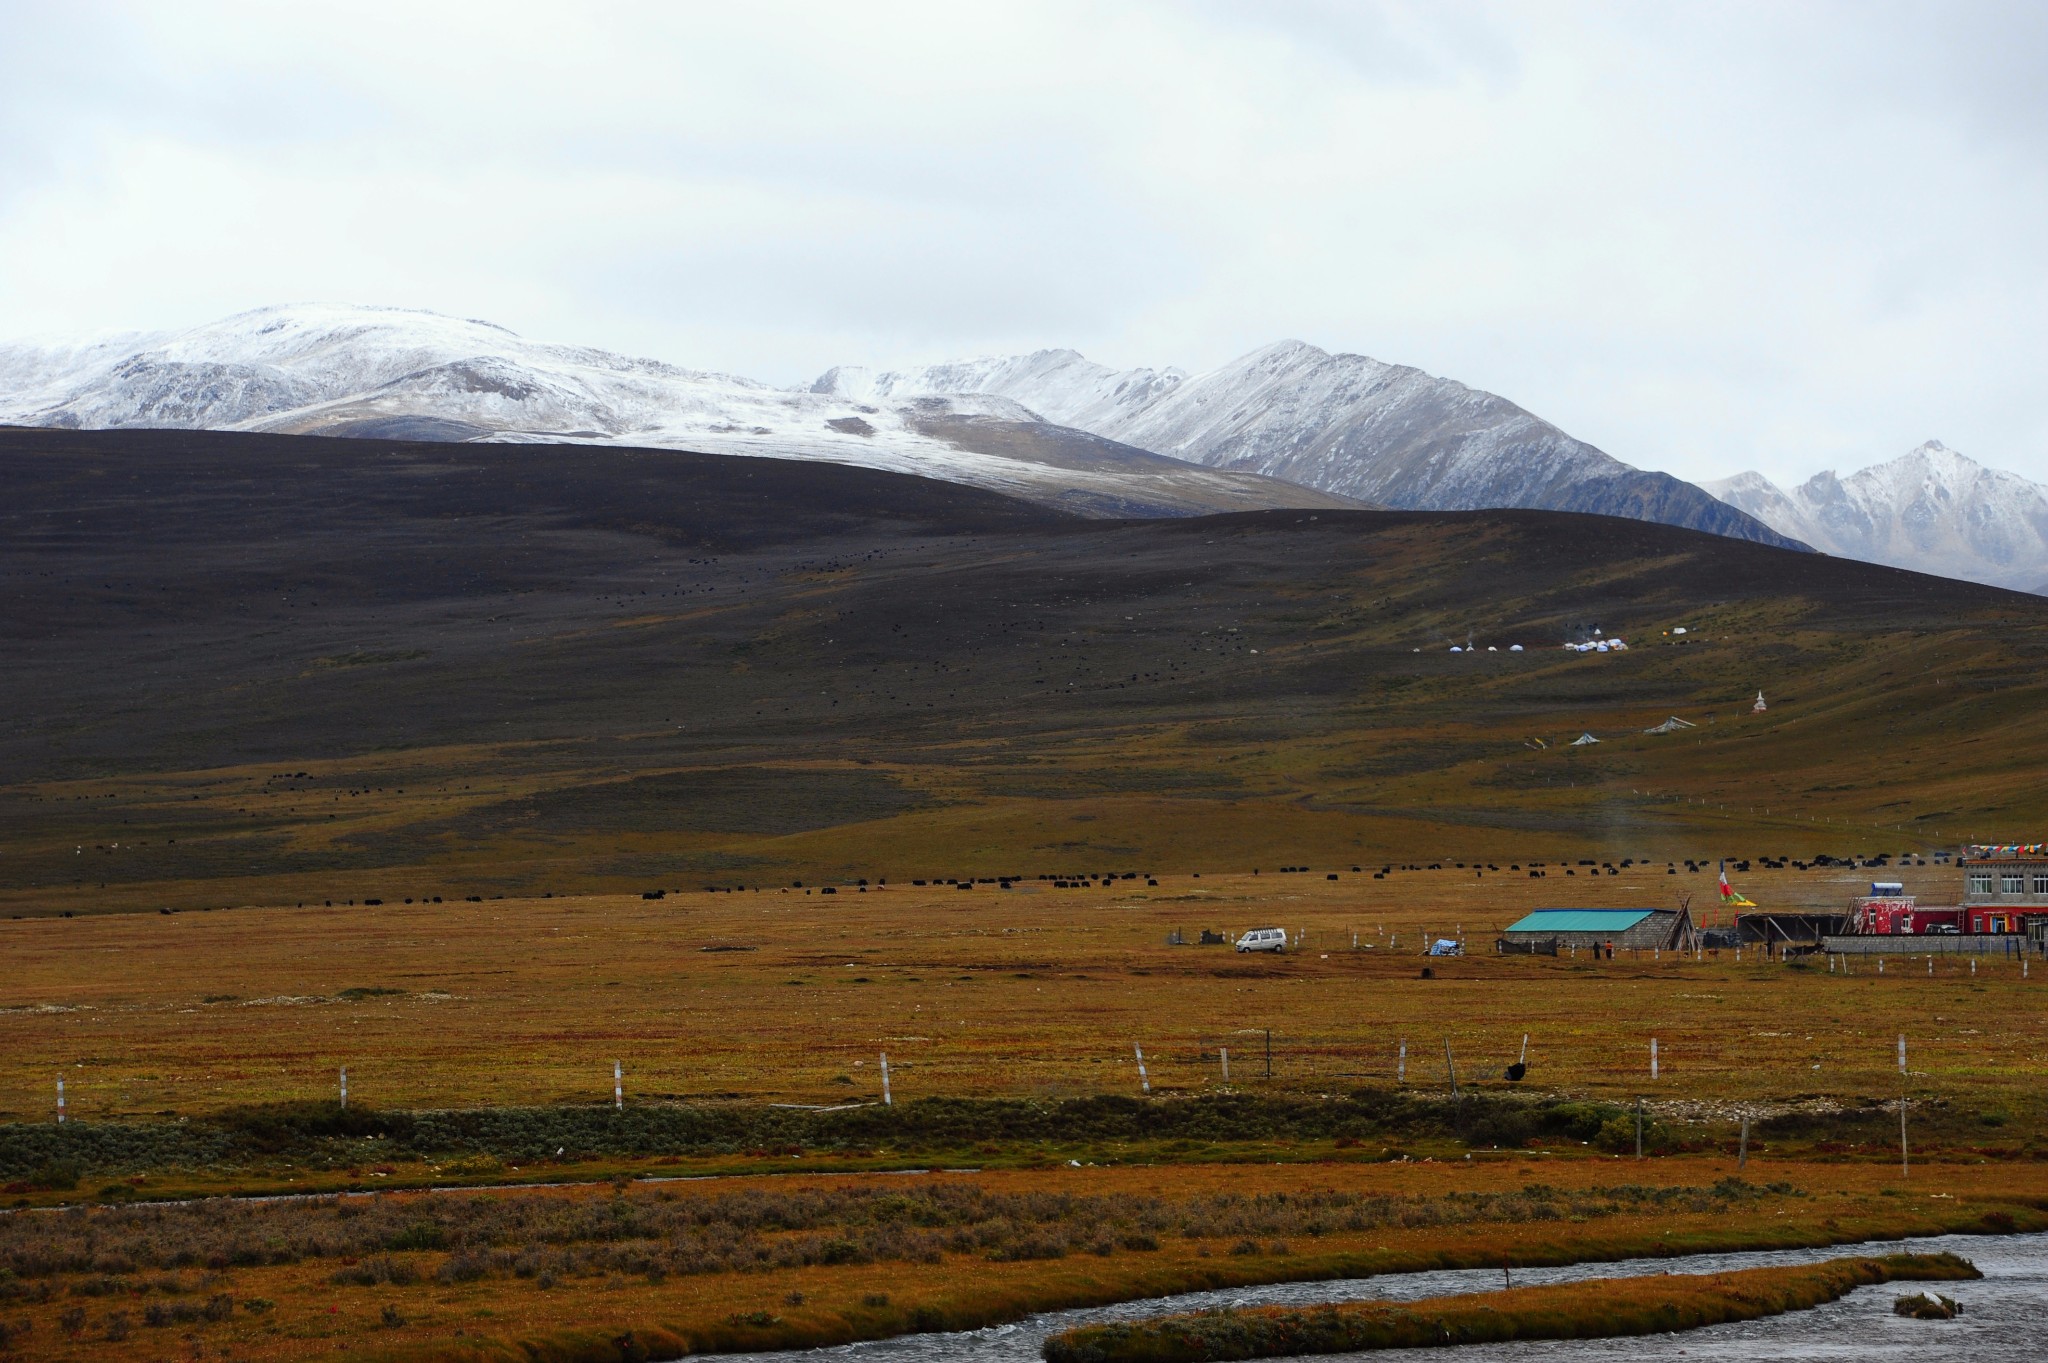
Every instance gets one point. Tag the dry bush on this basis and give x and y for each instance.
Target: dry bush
(656, 1233)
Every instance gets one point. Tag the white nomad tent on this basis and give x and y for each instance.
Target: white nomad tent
(1671, 726)
(1582, 740)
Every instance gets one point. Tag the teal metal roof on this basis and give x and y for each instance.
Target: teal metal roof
(1581, 920)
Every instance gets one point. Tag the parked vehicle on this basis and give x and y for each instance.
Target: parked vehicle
(1263, 939)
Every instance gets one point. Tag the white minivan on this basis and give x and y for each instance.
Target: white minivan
(1263, 939)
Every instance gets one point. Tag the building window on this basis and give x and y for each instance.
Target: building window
(2010, 884)
(1980, 882)
(2040, 883)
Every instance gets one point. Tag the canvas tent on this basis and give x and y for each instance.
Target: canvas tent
(1583, 740)
(1671, 726)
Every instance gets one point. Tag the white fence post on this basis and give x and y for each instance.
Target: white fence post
(1144, 1080)
(60, 1100)
(887, 1101)
(1224, 1052)
(344, 1088)
(1904, 1163)
(618, 1087)
(1653, 1057)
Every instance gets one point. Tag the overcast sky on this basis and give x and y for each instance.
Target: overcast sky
(1704, 237)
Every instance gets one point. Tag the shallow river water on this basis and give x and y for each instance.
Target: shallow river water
(2005, 1317)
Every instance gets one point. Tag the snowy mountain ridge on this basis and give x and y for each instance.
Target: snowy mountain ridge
(1347, 424)
(1288, 425)
(401, 374)
(1932, 510)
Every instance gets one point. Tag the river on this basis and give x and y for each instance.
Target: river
(2005, 1317)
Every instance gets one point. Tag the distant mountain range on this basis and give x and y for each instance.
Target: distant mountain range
(1931, 510)
(1348, 424)
(1285, 426)
(396, 374)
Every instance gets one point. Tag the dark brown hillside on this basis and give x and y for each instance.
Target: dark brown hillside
(316, 662)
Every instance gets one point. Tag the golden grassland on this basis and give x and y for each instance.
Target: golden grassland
(417, 1304)
(1599, 1309)
(1030, 992)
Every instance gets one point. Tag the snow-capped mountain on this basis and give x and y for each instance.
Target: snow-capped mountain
(1343, 423)
(400, 374)
(1285, 426)
(1933, 510)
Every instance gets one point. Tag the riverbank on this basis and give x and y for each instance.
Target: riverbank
(1602, 1308)
(803, 1261)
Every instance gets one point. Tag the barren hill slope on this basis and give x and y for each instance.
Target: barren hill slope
(262, 666)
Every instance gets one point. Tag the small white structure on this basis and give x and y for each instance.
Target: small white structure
(1759, 707)
(1584, 740)
(1514, 648)
(1671, 726)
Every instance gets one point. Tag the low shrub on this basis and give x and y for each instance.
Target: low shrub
(480, 1141)
(657, 1230)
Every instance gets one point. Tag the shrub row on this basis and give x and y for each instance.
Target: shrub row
(315, 1131)
(662, 1230)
